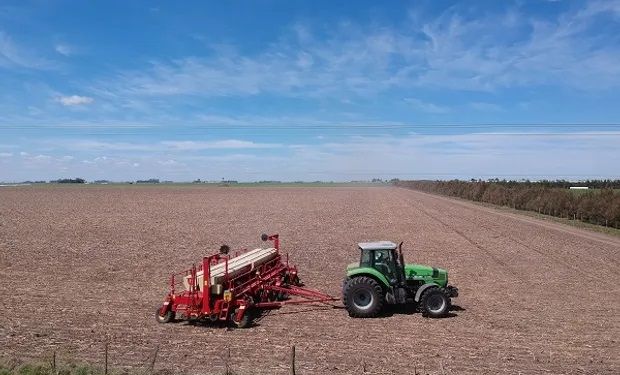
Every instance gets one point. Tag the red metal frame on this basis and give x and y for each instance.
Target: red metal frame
(258, 288)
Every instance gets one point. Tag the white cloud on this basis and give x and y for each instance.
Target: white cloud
(223, 144)
(286, 122)
(549, 155)
(86, 145)
(485, 155)
(162, 146)
(64, 49)
(74, 100)
(426, 106)
(224, 120)
(168, 162)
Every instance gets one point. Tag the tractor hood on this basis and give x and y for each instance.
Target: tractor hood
(413, 272)
(420, 270)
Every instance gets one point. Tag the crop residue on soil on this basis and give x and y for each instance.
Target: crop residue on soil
(82, 265)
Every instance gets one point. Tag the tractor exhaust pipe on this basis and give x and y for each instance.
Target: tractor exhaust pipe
(401, 265)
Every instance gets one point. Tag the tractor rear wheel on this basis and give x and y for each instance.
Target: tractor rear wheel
(434, 303)
(245, 321)
(363, 297)
(166, 318)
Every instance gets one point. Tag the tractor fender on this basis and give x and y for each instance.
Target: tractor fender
(370, 272)
(421, 290)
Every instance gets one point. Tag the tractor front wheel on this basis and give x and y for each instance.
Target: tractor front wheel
(434, 303)
(363, 297)
(166, 318)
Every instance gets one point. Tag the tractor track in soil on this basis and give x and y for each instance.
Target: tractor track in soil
(80, 266)
(611, 264)
(470, 206)
(466, 238)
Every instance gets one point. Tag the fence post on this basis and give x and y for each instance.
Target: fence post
(227, 361)
(292, 360)
(54, 362)
(153, 359)
(105, 361)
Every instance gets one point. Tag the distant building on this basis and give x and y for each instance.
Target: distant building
(578, 188)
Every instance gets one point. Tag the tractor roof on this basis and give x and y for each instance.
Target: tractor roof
(378, 245)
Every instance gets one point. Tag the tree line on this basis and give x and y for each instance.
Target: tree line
(69, 181)
(600, 204)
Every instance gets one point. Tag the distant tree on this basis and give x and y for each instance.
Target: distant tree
(547, 197)
(69, 181)
(149, 181)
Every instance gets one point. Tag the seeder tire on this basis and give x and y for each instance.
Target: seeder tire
(245, 322)
(166, 318)
(363, 297)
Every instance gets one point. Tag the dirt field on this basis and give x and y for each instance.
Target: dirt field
(79, 265)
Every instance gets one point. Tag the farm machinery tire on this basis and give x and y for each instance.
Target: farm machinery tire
(434, 303)
(166, 318)
(363, 297)
(245, 322)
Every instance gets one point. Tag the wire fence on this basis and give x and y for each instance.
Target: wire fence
(58, 363)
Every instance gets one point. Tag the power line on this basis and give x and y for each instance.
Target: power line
(316, 126)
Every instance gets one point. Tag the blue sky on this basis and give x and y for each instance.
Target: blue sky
(292, 90)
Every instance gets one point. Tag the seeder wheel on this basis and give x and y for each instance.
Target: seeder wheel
(245, 321)
(166, 318)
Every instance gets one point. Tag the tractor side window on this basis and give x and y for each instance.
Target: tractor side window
(365, 261)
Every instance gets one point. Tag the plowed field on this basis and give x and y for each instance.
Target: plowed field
(82, 265)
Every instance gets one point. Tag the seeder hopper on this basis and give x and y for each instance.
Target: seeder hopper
(236, 288)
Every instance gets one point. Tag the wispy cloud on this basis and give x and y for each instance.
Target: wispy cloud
(426, 106)
(161, 146)
(515, 50)
(464, 156)
(447, 51)
(215, 145)
(13, 55)
(75, 100)
(64, 49)
(591, 154)
(485, 107)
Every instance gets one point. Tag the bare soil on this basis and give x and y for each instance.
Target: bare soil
(82, 265)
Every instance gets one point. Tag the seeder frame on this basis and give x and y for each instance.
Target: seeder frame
(265, 287)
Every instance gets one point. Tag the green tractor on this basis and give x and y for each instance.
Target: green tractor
(381, 277)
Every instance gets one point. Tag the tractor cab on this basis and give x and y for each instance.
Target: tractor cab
(382, 256)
